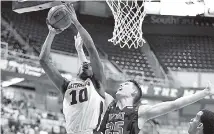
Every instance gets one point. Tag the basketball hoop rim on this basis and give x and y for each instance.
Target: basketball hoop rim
(128, 22)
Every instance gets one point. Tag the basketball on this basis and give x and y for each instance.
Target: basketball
(58, 17)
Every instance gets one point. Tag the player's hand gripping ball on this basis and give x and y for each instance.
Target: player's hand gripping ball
(59, 17)
(71, 10)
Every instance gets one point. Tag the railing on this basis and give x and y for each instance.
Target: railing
(194, 70)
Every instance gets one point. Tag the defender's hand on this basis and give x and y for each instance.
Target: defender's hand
(78, 42)
(71, 11)
(53, 30)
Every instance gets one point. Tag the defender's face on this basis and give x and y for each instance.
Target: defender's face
(126, 89)
(85, 72)
(194, 123)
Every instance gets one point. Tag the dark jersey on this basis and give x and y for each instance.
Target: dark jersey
(118, 121)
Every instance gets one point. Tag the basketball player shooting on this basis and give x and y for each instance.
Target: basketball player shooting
(98, 75)
(82, 105)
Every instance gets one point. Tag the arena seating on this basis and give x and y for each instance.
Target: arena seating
(183, 52)
(132, 61)
(174, 52)
(17, 117)
(27, 25)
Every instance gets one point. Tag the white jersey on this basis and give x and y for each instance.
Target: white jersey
(81, 107)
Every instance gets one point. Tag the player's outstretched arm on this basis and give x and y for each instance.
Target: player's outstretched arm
(78, 46)
(89, 44)
(151, 112)
(46, 64)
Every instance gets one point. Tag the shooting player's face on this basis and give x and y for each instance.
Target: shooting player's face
(85, 71)
(126, 89)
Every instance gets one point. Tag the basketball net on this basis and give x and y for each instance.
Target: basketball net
(128, 16)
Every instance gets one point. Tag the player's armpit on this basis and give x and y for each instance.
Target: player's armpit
(99, 87)
(142, 116)
(142, 112)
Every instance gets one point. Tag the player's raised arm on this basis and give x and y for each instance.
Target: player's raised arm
(46, 64)
(78, 46)
(151, 112)
(89, 44)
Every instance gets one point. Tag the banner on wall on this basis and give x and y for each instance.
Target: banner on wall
(27, 69)
(22, 68)
(170, 93)
(157, 19)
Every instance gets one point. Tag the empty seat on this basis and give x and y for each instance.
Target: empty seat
(184, 52)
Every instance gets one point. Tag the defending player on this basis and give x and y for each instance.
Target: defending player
(125, 117)
(82, 105)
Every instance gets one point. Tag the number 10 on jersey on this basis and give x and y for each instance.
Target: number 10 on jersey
(83, 96)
